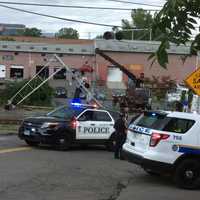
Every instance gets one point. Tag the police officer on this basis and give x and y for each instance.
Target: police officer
(120, 135)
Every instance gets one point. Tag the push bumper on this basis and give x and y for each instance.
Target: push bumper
(38, 137)
(156, 166)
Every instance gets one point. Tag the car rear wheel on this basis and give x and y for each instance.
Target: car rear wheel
(187, 174)
(32, 143)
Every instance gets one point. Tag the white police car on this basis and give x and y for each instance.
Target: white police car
(166, 143)
(68, 125)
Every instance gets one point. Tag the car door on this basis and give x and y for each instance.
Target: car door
(94, 124)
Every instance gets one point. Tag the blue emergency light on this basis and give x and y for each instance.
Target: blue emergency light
(76, 103)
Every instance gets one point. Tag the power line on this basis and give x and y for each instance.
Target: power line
(66, 6)
(60, 18)
(135, 3)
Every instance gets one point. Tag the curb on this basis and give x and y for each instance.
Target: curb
(7, 134)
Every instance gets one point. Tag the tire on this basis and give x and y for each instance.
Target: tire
(110, 144)
(31, 143)
(187, 174)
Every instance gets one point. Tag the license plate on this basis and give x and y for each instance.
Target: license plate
(26, 132)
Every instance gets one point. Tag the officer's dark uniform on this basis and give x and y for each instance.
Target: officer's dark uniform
(120, 135)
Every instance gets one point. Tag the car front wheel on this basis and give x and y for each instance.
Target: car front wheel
(187, 174)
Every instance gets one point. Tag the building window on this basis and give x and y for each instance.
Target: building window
(58, 49)
(8, 57)
(43, 54)
(71, 50)
(31, 47)
(44, 48)
(61, 74)
(5, 46)
(44, 73)
(16, 72)
(18, 47)
(2, 71)
(83, 50)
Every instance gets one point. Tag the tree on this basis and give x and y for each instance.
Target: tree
(142, 21)
(67, 33)
(176, 21)
(139, 28)
(33, 32)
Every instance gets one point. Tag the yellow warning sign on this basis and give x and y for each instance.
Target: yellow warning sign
(193, 81)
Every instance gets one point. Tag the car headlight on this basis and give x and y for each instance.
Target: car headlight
(50, 125)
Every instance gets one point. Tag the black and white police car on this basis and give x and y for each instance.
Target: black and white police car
(166, 143)
(68, 125)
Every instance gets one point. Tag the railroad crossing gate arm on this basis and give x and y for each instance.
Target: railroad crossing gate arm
(79, 81)
(19, 94)
(121, 67)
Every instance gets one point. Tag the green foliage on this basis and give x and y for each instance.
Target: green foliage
(175, 22)
(67, 33)
(42, 97)
(33, 32)
(141, 24)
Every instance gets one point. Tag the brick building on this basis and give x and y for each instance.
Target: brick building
(24, 57)
(11, 29)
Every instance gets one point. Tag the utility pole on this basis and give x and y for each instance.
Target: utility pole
(150, 34)
(197, 66)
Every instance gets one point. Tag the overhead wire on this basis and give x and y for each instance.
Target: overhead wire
(67, 6)
(60, 18)
(136, 3)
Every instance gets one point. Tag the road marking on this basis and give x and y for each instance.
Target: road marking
(15, 149)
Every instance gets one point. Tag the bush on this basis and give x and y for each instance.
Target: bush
(41, 97)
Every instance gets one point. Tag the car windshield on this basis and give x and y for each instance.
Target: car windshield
(65, 112)
(160, 121)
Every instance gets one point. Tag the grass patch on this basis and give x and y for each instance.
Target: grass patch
(8, 128)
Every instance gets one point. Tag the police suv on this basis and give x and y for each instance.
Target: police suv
(68, 125)
(166, 143)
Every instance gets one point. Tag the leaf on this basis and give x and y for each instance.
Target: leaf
(192, 20)
(190, 26)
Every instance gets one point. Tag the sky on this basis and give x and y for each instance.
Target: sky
(48, 25)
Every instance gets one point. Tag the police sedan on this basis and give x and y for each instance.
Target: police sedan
(68, 125)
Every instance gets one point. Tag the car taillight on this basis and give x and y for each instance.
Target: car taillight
(74, 123)
(156, 138)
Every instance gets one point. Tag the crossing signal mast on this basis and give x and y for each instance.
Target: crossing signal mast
(29, 88)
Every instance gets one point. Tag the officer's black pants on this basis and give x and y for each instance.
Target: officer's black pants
(119, 141)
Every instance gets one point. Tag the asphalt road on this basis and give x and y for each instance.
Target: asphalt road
(78, 174)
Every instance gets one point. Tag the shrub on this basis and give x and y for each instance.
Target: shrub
(41, 97)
